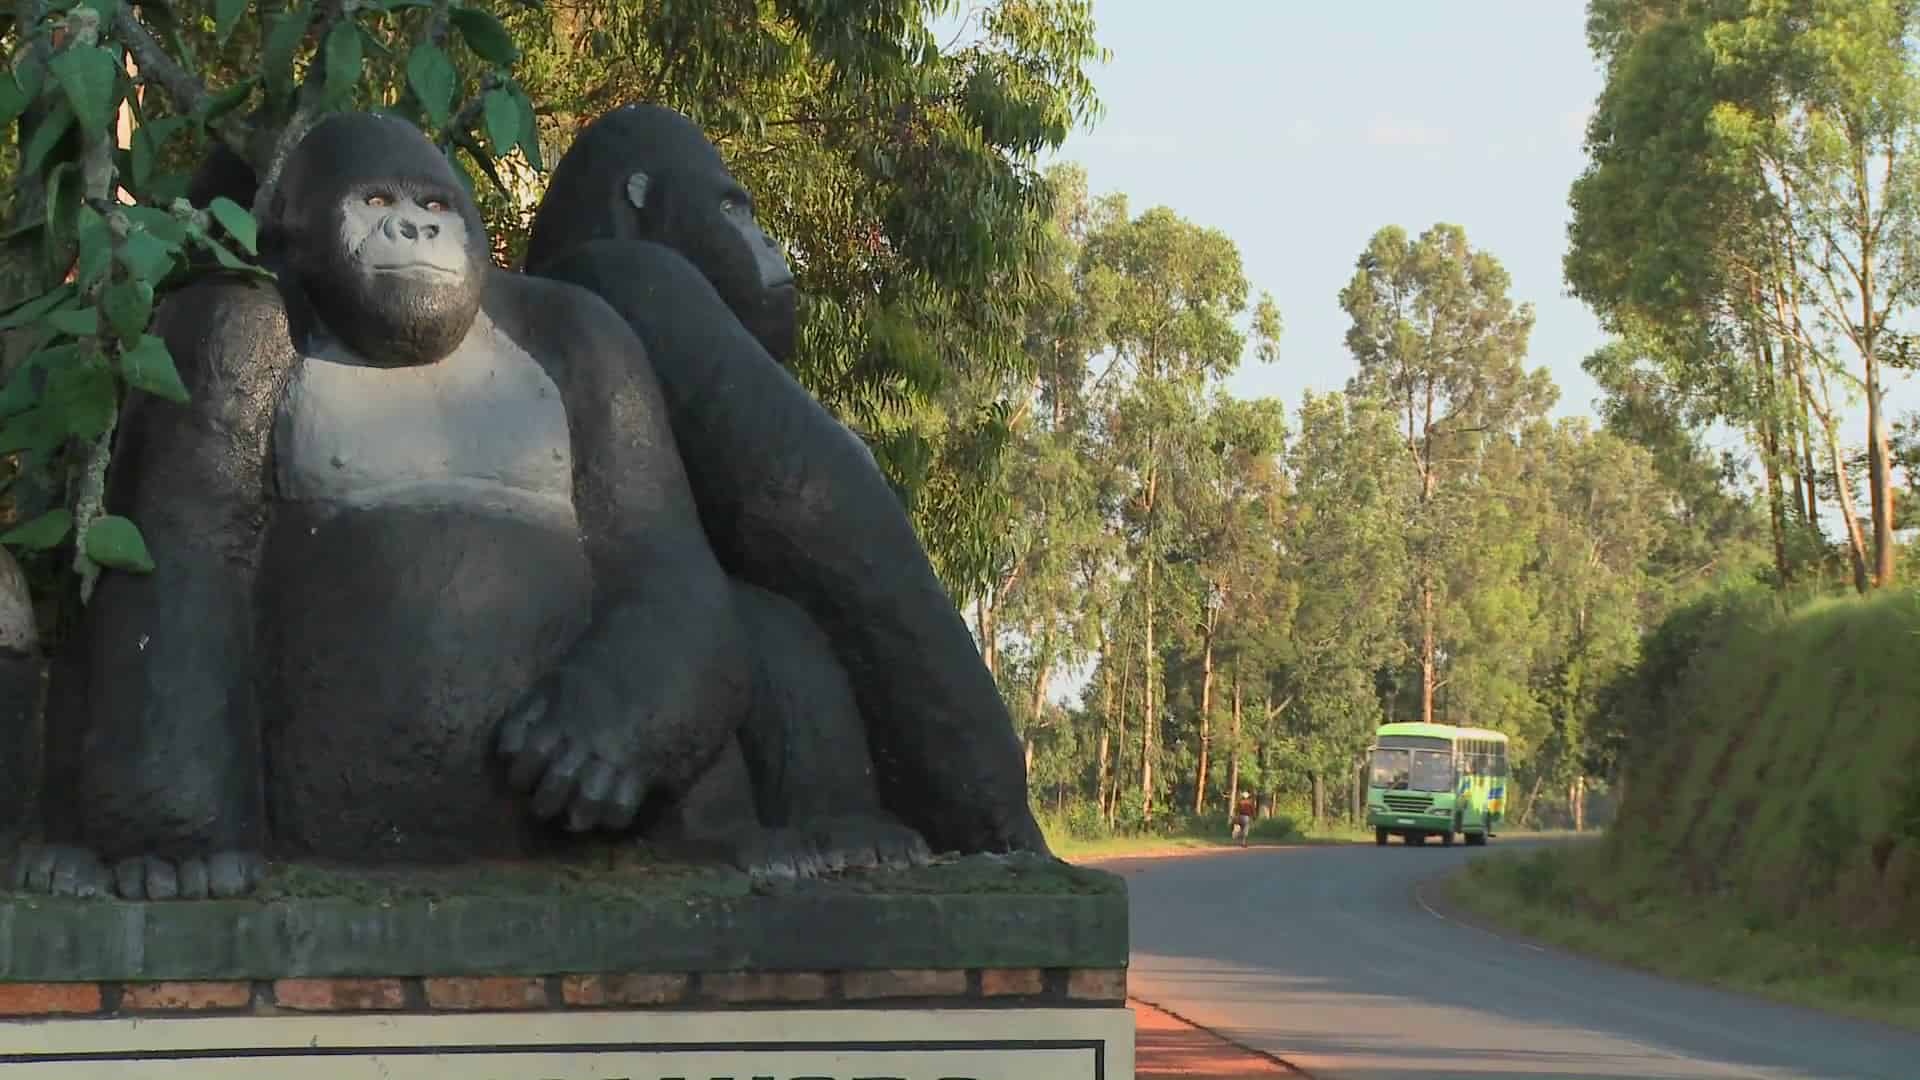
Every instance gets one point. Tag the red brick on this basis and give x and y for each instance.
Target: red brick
(740, 986)
(904, 982)
(1010, 982)
(633, 989)
(339, 995)
(487, 992)
(186, 996)
(1097, 984)
(44, 999)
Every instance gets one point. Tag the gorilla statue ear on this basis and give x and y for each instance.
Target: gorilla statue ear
(637, 190)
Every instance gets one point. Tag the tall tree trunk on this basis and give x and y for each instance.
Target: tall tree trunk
(1233, 755)
(983, 617)
(1206, 718)
(1880, 477)
(1805, 426)
(1879, 472)
(1769, 433)
(1579, 804)
(1319, 797)
(1148, 715)
(1856, 540)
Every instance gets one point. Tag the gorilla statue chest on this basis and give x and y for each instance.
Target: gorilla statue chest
(483, 428)
(425, 568)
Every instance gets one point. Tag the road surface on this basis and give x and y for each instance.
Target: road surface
(1331, 959)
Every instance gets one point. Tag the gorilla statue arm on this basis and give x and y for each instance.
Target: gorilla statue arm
(171, 759)
(663, 630)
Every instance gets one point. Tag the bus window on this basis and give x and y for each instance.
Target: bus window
(1500, 759)
(1390, 768)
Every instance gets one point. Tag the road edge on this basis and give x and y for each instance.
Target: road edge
(1289, 1066)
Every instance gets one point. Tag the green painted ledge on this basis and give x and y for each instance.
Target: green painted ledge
(978, 912)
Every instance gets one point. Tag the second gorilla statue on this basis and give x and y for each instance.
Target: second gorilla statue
(412, 496)
(642, 211)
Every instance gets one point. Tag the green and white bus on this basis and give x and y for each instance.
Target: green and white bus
(1436, 780)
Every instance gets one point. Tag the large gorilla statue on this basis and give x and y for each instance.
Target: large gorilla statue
(642, 211)
(794, 792)
(418, 511)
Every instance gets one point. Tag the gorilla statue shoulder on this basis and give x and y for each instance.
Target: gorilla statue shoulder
(420, 514)
(642, 211)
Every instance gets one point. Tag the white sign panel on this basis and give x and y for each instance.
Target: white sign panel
(840, 1044)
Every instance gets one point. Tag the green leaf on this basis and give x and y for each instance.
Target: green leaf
(146, 256)
(529, 126)
(13, 99)
(238, 222)
(227, 100)
(88, 77)
(431, 75)
(46, 135)
(96, 247)
(485, 36)
(225, 258)
(42, 532)
(115, 542)
(129, 307)
(226, 15)
(283, 41)
(149, 366)
(30, 310)
(149, 140)
(63, 193)
(343, 60)
(80, 396)
(37, 430)
(79, 322)
(503, 121)
(158, 222)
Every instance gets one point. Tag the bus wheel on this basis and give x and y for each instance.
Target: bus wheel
(1446, 838)
(1380, 837)
(1417, 838)
(1476, 839)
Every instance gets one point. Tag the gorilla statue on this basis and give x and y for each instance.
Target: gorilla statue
(793, 792)
(419, 512)
(642, 211)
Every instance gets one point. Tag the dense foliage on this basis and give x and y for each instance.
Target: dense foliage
(899, 170)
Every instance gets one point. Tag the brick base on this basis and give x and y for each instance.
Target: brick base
(950, 988)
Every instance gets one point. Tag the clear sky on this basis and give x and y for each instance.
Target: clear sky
(1299, 127)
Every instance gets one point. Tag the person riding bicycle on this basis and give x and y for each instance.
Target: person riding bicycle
(1243, 817)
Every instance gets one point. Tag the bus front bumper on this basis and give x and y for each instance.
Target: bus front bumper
(1391, 820)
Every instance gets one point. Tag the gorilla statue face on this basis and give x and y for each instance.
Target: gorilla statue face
(381, 238)
(643, 172)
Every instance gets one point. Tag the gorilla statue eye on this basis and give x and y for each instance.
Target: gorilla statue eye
(435, 205)
(377, 200)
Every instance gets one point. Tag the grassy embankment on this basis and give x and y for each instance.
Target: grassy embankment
(1769, 839)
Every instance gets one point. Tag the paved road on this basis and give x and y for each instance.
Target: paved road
(1329, 958)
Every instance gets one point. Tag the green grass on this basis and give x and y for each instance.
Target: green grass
(1574, 897)
(1769, 835)
(1075, 848)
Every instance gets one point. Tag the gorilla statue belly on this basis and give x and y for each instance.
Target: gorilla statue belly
(642, 211)
(419, 513)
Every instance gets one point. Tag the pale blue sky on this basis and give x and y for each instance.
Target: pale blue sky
(1299, 127)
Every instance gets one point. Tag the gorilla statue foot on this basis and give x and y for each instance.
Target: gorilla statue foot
(60, 870)
(829, 846)
(63, 870)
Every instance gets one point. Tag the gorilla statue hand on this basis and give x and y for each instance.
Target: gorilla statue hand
(569, 746)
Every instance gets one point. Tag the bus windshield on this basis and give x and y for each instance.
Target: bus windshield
(1428, 770)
